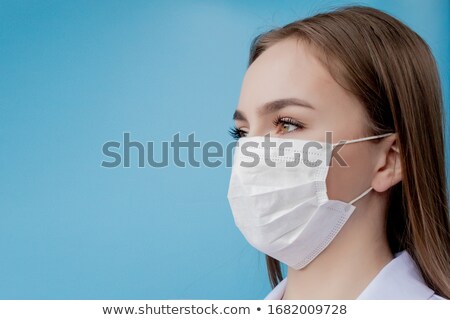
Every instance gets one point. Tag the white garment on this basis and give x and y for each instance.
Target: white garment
(400, 279)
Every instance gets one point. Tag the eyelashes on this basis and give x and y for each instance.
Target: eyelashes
(283, 125)
(288, 121)
(236, 133)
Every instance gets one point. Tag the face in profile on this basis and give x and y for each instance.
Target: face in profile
(289, 93)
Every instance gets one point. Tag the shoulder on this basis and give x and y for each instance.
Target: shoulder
(400, 279)
(277, 292)
(436, 297)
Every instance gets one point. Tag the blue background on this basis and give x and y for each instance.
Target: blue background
(76, 74)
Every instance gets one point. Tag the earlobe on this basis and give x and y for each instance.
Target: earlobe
(390, 173)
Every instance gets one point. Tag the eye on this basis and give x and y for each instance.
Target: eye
(237, 133)
(287, 125)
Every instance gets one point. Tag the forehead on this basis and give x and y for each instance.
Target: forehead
(289, 68)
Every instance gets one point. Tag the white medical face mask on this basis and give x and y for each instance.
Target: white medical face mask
(281, 205)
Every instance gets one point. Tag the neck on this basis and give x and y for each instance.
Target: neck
(351, 261)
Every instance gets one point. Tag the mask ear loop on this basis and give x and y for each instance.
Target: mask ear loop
(361, 139)
(361, 195)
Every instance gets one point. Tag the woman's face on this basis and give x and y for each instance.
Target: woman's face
(289, 70)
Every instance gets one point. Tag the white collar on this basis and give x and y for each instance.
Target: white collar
(399, 279)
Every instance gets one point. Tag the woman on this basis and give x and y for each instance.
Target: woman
(373, 222)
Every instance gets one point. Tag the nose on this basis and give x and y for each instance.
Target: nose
(256, 133)
(258, 128)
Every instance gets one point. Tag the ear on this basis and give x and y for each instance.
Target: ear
(388, 171)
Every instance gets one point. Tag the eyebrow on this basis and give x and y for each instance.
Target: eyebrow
(273, 106)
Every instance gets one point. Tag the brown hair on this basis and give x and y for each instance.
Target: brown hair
(392, 71)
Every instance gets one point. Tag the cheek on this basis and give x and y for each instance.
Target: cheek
(347, 182)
